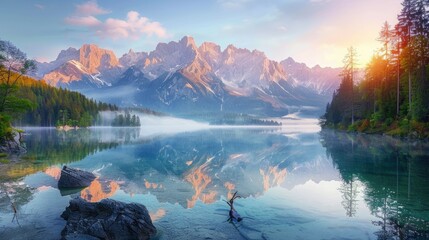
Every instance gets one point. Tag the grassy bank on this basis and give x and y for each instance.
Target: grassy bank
(396, 128)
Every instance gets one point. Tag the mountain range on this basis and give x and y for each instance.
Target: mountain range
(183, 78)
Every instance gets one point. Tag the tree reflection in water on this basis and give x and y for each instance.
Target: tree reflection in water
(349, 191)
(394, 177)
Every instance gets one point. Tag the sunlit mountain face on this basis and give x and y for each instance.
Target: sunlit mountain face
(181, 77)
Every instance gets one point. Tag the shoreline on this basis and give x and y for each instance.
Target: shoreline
(409, 137)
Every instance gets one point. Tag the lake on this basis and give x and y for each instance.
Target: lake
(295, 182)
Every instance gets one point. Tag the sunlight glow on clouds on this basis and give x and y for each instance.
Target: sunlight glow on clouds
(90, 8)
(313, 31)
(310, 31)
(133, 27)
(87, 21)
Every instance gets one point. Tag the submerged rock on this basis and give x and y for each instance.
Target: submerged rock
(108, 219)
(75, 178)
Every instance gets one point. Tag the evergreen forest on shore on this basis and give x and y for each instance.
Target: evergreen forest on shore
(393, 97)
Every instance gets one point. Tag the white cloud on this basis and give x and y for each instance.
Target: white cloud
(89, 21)
(133, 27)
(90, 8)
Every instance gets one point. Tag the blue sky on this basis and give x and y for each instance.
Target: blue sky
(310, 31)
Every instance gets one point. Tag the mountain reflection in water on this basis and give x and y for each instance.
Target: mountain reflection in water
(295, 185)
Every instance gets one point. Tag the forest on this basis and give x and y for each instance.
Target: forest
(56, 106)
(52, 106)
(393, 97)
(25, 101)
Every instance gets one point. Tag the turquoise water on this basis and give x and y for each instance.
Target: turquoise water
(293, 183)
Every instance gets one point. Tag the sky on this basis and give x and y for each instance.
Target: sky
(310, 31)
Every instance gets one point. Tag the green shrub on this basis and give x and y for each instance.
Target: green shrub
(377, 117)
(405, 125)
(6, 131)
(388, 121)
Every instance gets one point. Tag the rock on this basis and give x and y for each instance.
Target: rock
(13, 146)
(108, 219)
(74, 178)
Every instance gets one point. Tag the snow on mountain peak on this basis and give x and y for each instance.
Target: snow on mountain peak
(179, 75)
(168, 57)
(322, 80)
(243, 69)
(70, 71)
(133, 58)
(240, 69)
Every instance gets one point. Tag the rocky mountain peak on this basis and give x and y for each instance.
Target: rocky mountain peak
(211, 53)
(133, 58)
(258, 53)
(288, 61)
(185, 44)
(68, 54)
(209, 47)
(188, 42)
(322, 80)
(94, 58)
(317, 67)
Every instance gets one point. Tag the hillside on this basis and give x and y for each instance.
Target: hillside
(56, 106)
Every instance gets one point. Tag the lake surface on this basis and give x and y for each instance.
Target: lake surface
(295, 182)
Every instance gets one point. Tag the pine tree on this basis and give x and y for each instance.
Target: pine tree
(348, 75)
(396, 53)
(405, 24)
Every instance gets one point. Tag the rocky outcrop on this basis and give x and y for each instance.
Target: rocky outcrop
(14, 145)
(108, 219)
(75, 178)
(95, 59)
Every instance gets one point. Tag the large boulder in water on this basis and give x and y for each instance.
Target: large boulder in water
(75, 178)
(108, 219)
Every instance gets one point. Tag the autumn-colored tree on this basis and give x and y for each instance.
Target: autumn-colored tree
(13, 65)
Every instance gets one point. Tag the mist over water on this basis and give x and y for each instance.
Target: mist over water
(160, 125)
